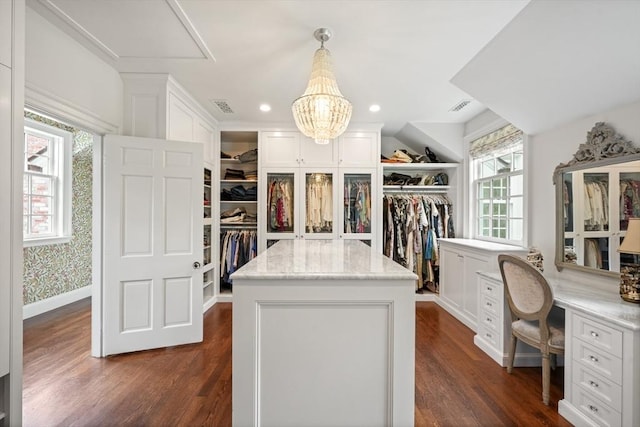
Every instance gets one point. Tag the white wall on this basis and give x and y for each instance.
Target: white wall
(59, 68)
(546, 151)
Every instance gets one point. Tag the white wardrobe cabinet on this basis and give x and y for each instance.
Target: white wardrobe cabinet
(359, 149)
(156, 106)
(460, 259)
(292, 149)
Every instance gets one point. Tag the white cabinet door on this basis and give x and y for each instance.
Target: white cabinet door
(359, 149)
(153, 219)
(5, 226)
(451, 278)
(472, 264)
(312, 154)
(6, 30)
(206, 135)
(318, 219)
(280, 149)
(357, 207)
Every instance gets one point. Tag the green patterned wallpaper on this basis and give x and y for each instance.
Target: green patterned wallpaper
(55, 269)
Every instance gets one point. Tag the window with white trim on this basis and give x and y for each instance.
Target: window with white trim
(498, 168)
(46, 184)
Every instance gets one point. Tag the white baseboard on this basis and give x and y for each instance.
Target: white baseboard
(57, 301)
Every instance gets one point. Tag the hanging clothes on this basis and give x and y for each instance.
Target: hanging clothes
(319, 203)
(357, 206)
(280, 204)
(237, 247)
(412, 223)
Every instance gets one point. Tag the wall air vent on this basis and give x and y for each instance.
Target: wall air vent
(222, 106)
(460, 105)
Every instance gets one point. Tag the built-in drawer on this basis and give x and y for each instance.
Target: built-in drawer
(489, 321)
(601, 362)
(490, 335)
(601, 388)
(598, 411)
(597, 334)
(491, 289)
(490, 305)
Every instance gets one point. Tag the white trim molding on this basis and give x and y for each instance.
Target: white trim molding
(45, 305)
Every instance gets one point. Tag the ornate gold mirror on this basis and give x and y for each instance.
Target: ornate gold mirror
(596, 194)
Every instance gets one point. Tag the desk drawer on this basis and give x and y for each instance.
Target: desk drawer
(597, 386)
(489, 321)
(491, 336)
(601, 362)
(491, 289)
(598, 335)
(593, 408)
(490, 305)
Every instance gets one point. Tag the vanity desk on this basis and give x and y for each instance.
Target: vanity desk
(602, 351)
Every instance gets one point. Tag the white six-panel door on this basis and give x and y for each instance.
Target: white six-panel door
(152, 287)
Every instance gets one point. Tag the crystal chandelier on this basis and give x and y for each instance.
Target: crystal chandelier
(322, 113)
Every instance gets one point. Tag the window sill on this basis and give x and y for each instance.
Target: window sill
(58, 240)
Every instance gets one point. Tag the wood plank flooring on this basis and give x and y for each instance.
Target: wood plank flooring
(456, 383)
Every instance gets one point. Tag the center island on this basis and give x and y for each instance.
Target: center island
(323, 334)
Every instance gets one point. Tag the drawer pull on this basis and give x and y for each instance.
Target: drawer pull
(592, 408)
(489, 319)
(489, 288)
(594, 334)
(593, 384)
(489, 304)
(488, 335)
(593, 359)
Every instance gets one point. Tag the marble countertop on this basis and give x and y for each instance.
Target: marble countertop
(482, 245)
(598, 303)
(322, 259)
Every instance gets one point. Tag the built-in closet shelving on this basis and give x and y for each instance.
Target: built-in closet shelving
(437, 187)
(237, 199)
(208, 269)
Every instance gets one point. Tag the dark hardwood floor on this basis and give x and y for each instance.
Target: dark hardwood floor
(456, 383)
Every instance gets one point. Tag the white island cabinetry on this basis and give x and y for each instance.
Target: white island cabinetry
(323, 334)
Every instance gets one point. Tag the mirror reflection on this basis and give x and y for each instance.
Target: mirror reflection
(597, 205)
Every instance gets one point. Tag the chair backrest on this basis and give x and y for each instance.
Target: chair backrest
(528, 292)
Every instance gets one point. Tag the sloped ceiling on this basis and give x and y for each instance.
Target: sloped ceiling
(558, 61)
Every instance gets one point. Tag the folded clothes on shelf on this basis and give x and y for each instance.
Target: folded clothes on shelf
(234, 174)
(239, 193)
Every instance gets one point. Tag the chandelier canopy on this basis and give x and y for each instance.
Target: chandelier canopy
(322, 113)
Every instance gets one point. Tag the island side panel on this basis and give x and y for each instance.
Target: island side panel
(329, 352)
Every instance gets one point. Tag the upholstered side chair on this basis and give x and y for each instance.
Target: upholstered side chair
(530, 300)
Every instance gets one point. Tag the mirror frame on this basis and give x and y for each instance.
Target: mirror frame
(603, 147)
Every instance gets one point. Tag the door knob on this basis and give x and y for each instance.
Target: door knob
(196, 265)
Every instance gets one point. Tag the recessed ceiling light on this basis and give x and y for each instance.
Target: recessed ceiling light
(265, 107)
(374, 108)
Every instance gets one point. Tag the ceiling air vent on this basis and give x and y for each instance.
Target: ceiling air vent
(460, 105)
(222, 105)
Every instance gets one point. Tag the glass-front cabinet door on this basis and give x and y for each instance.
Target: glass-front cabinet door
(320, 207)
(358, 204)
(279, 215)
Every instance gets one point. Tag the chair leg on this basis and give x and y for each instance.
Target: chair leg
(546, 378)
(554, 361)
(512, 353)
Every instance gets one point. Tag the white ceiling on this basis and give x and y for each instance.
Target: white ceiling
(399, 54)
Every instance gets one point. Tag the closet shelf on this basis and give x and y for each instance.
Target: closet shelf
(209, 283)
(239, 225)
(238, 202)
(238, 181)
(415, 188)
(236, 161)
(418, 166)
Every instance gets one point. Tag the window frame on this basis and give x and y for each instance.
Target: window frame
(474, 184)
(61, 163)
